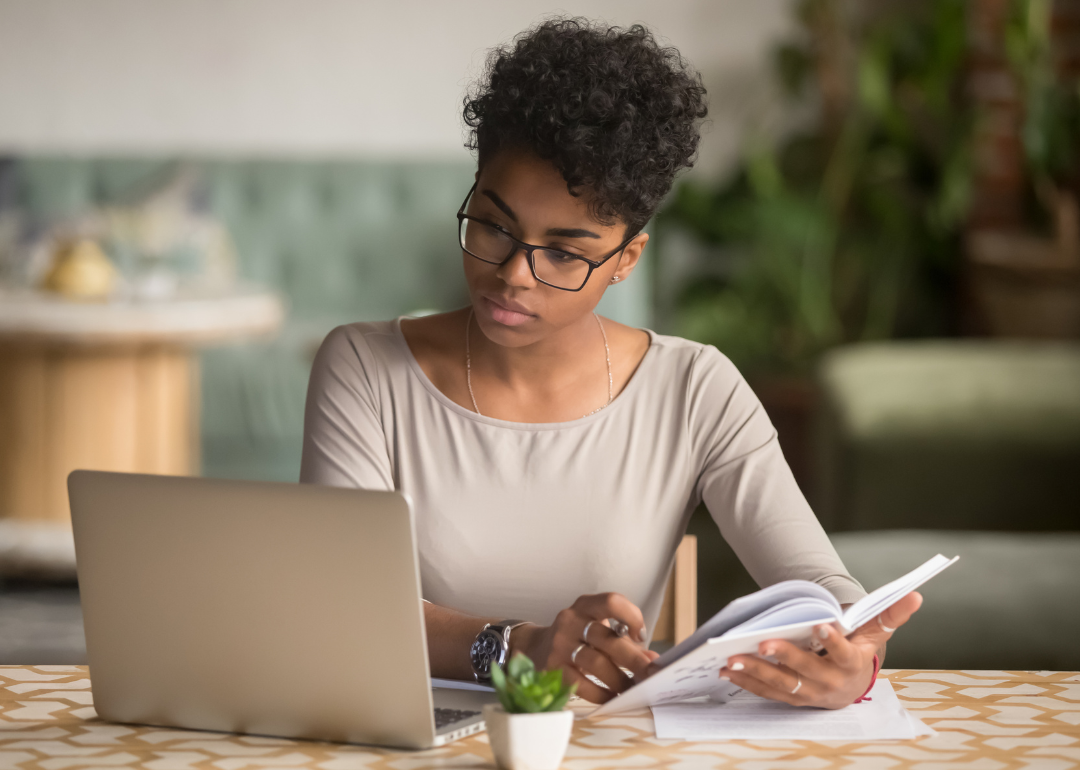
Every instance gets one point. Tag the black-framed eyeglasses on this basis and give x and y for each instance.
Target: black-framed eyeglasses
(558, 269)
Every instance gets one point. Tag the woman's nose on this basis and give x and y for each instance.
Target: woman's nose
(515, 271)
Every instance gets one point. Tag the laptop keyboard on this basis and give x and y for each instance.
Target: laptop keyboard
(444, 717)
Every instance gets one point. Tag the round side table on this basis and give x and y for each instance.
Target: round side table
(103, 386)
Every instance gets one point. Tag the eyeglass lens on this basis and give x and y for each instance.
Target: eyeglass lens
(493, 245)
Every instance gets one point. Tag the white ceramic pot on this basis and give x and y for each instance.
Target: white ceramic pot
(528, 741)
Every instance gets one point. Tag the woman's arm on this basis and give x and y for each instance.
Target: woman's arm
(344, 439)
(761, 512)
(450, 635)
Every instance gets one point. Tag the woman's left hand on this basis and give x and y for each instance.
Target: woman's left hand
(830, 681)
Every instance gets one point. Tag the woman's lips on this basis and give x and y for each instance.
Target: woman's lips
(505, 315)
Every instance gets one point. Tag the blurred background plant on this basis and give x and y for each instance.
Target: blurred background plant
(849, 229)
(1050, 131)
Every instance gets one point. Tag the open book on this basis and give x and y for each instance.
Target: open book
(787, 610)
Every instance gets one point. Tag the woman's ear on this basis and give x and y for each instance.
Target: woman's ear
(629, 258)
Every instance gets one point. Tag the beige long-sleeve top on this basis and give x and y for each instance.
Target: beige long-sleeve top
(518, 520)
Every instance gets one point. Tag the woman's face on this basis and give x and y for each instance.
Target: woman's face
(527, 197)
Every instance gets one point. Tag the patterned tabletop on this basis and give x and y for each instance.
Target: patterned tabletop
(984, 719)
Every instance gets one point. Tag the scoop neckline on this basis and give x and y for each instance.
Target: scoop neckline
(457, 408)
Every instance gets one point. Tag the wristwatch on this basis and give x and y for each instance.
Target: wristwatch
(491, 647)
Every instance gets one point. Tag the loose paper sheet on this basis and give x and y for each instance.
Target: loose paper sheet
(746, 716)
(459, 684)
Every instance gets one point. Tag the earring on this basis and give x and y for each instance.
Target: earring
(615, 279)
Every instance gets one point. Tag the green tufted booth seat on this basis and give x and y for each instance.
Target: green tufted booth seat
(341, 239)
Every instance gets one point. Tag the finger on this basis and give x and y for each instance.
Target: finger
(585, 688)
(592, 661)
(762, 678)
(613, 605)
(892, 618)
(806, 664)
(757, 687)
(842, 652)
(619, 649)
(771, 674)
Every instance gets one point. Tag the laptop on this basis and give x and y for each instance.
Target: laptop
(288, 610)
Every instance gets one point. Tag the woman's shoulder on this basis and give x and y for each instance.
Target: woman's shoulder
(361, 338)
(712, 387)
(691, 359)
(367, 348)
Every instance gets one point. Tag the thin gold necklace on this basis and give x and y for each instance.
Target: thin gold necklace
(607, 358)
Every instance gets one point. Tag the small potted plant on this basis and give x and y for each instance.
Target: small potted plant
(529, 728)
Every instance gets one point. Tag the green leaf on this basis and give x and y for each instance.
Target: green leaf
(498, 679)
(520, 665)
(523, 689)
(560, 701)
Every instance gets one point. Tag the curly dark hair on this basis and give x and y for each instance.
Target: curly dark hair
(617, 114)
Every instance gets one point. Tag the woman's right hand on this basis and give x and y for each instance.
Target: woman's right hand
(603, 655)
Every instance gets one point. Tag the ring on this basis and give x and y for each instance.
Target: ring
(585, 633)
(797, 686)
(884, 627)
(573, 655)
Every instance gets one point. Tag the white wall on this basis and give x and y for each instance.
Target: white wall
(315, 76)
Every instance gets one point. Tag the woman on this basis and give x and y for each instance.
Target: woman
(554, 457)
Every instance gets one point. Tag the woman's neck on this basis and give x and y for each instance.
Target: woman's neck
(557, 379)
(560, 358)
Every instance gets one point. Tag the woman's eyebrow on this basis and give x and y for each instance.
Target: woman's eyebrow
(571, 232)
(494, 197)
(558, 232)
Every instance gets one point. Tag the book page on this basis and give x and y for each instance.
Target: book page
(869, 607)
(802, 610)
(743, 609)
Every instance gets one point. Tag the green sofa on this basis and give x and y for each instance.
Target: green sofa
(968, 447)
(342, 240)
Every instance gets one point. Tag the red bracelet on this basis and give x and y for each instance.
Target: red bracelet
(873, 681)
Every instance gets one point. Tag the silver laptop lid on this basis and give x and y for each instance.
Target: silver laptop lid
(277, 609)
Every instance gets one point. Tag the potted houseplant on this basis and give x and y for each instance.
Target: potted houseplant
(529, 727)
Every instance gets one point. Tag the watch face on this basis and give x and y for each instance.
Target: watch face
(487, 649)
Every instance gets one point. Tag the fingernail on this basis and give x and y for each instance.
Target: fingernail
(768, 651)
(823, 632)
(737, 666)
(724, 678)
(641, 634)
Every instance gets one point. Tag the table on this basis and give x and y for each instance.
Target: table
(105, 386)
(984, 719)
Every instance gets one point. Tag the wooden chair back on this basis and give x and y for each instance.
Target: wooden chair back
(678, 613)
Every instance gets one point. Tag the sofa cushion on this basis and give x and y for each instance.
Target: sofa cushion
(1011, 602)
